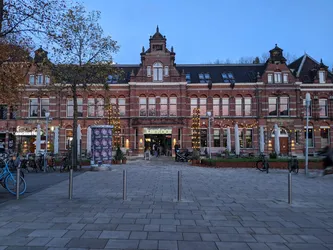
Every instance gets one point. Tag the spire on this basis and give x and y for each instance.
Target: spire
(157, 29)
(143, 49)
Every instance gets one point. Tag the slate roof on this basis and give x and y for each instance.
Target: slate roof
(306, 68)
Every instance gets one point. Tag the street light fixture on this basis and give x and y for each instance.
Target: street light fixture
(307, 104)
(209, 114)
(47, 117)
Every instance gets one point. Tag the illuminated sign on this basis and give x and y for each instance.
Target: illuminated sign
(157, 131)
(27, 133)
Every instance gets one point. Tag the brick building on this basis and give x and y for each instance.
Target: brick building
(155, 99)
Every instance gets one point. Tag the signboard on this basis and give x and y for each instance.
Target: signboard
(157, 131)
(26, 133)
(101, 143)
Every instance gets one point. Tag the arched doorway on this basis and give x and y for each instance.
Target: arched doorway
(284, 141)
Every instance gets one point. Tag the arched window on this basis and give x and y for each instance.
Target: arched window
(158, 71)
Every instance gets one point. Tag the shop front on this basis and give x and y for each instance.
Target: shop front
(160, 137)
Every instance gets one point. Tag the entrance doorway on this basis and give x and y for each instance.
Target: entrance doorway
(163, 141)
(284, 141)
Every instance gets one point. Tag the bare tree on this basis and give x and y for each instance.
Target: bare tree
(83, 56)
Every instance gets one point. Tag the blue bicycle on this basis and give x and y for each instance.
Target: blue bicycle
(8, 179)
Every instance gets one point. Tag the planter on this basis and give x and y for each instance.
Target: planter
(124, 161)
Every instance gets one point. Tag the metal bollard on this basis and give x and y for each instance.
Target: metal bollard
(124, 185)
(18, 174)
(289, 188)
(70, 190)
(179, 198)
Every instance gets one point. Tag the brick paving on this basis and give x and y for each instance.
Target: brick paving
(220, 209)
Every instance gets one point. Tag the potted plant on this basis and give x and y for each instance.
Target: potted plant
(118, 156)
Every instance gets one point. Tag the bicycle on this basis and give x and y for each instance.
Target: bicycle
(8, 180)
(293, 164)
(262, 163)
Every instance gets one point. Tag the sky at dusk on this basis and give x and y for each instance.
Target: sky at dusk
(203, 31)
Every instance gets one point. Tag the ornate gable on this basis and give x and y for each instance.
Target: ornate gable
(157, 62)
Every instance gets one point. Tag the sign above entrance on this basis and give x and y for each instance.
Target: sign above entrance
(157, 131)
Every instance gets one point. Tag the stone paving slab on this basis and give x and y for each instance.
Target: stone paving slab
(220, 209)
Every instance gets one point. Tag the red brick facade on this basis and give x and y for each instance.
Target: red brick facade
(158, 79)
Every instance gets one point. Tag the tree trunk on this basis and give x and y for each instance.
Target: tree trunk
(75, 117)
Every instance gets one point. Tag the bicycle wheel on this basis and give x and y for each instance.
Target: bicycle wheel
(10, 184)
(260, 165)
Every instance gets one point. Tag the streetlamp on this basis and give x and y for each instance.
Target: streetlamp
(47, 117)
(209, 114)
(307, 104)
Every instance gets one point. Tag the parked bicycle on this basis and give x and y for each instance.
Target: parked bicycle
(293, 164)
(262, 163)
(8, 180)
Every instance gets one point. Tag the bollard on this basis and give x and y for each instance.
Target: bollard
(70, 190)
(18, 174)
(179, 185)
(289, 188)
(124, 185)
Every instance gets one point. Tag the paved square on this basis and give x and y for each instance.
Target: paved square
(220, 209)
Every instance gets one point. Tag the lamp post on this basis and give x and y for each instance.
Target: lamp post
(47, 117)
(209, 114)
(307, 104)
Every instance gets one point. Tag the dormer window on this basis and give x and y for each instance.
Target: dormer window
(322, 77)
(158, 71)
(285, 78)
(188, 77)
(204, 77)
(270, 78)
(47, 80)
(228, 77)
(166, 71)
(40, 79)
(149, 71)
(277, 77)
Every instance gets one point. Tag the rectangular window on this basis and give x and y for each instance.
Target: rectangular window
(79, 107)
(284, 106)
(70, 107)
(122, 106)
(164, 106)
(238, 106)
(33, 107)
(272, 106)
(241, 137)
(91, 107)
(40, 79)
(277, 77)
(100, 107)
(151, 106)
(248, 138)
(285, 78)
(217, 140)
(204, 77)
(228, 77)
(321, 76)
(149, 71)
(44, 106)
(270, 78)
(309, 109)
(113, 101)
(194, 104)
(143, 106)
(324, 136)
(225, 106)
(32, 79)
(203, 106)
(68, 138)
(188, 77)
(3, 112)
(323, 108)
(225, 138)
(216, 107)
(203, 137)
(166, 71)
(47, 80)
(311, 137)
(173, 106)
(13, 112)
(247, 106)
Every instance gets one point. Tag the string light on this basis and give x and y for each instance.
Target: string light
(196, 129)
